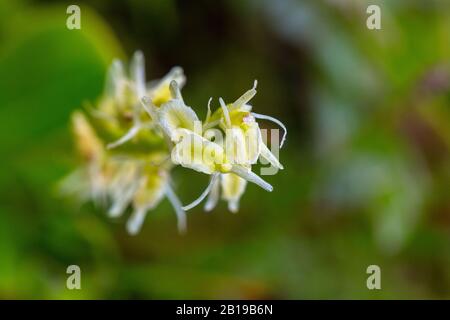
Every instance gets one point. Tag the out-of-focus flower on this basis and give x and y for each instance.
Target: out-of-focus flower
(132, 171)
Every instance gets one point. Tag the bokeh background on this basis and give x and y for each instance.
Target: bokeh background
(367, 170)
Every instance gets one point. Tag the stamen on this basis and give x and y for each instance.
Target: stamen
(204, 194)
(225, 112)
(278, 122)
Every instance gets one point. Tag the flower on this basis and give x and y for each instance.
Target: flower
(150, 129)
(136, 175)
(192, 150)
(121, 104)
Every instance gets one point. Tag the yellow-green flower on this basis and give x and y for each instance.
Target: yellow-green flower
(138, 131)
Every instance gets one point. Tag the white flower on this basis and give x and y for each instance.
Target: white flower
(124, 93)
(157, 130)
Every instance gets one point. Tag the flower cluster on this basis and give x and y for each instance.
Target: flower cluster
(149, 130)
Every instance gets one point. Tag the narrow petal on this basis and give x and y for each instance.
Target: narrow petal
(250, 176)
(278, 122)
(269, 156)
(136, 220)
(181, 215)
(204, 194)
(226, 114)
(128, 136)
(208, 113)
(137, 72)
(213, 196)
(246, 97)
(115, 81)
(233, 187)
(233, 205)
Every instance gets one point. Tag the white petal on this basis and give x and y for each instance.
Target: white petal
(128, 136)
(250, 176)
(233, 205)
(137, 71)
(175, 115)
(213, 196)
(278, 122)
(181, 215)
(226, 114)
(236, 146)
(246, 97)
(269, 156)
(233, 187)
(176, 73)
(195, 152)
(208, 113)
(116, 79)
(204, 194)
(136, 220)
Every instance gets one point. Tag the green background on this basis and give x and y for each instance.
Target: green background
(367, 170)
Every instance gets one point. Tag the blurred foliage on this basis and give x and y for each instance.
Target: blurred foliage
(367, 175)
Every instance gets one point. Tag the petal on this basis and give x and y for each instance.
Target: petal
(236, 146)
(123, 187)
(246, 97)
(205, 193)
(125, 138)
(137, 73)
(148, 195)
(151, 190)
(198, 153)
(175, 115)
(88, 144)
(233, 188)
(213, 196)
(250, 176)
(269, 156)
(159, 90)
(226, 114)
(136, 220)
(278, 122)
(181, 215)
(254, 142)
(116, 80)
